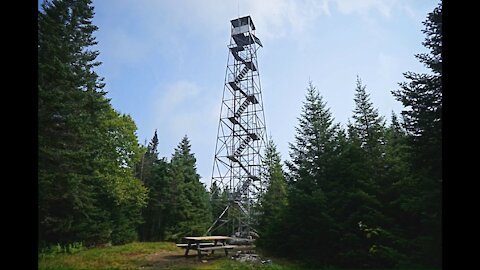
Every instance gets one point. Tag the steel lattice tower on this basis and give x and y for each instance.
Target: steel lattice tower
(238, 168)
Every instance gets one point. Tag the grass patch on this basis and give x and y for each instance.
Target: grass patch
(129, 256)
(134, 256)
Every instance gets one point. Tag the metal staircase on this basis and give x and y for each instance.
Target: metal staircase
(241, 137)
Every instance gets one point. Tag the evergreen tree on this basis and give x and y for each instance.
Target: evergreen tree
(218, 202)
(360, 201)
(215, 195)
(313, 142)
(64, 192)
(86, 149)
(191, 210)
(397, 151)
(273, 203)
(422, 99)
(153, 172)
(367, 134)
(309, 170)
(150, 156)
(368, 125)
(377, 192)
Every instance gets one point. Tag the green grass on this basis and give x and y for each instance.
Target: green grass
(129, 256)
(134, 256)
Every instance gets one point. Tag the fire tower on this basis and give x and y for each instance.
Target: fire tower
(238, 168)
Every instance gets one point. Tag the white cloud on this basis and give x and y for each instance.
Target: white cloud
(284, 18)
(281, 17)
(363, 7)
(184, 108)
(160, 26)
(185, 38)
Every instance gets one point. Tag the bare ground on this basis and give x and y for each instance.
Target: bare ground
(164, 259)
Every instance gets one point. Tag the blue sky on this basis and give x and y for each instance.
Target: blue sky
(164, 61)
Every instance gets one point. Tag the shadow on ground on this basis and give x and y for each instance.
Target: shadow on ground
(174, 259)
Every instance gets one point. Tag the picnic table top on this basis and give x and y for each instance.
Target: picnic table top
(207, 238)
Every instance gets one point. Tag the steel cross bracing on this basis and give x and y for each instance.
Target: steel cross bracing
(238, 167)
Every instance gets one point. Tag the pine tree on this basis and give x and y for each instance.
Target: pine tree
(63, 123)
(273, 203)
(215, 195)
(313, 141)
(368, 125)
(218, 202)
(191, 211)
(367, 134)
(397, 150)
(309, 169)
(360, 200)
(153, 172)
(86, 149)
(422, 99)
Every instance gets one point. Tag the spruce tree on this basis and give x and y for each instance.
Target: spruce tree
(313, 146)
(360, 201)
(367, 135)
(153, 173)
(273, 203)
(215, 195)
(86, 149)
(218, 202)
(368, 125)
(421, 96)
(191, 210)
(397, 151)
(65, 194)
(309, 169)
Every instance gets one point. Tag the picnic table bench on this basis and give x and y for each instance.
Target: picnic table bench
(202, 244)
(206, 243)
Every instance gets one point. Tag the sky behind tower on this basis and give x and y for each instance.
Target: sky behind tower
(164, 61)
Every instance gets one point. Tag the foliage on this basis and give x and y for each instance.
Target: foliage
(368, 125)
(359, 191)
(218, 202)
(54, 250)
(191, 211)
(178, 203)
(309, 171)
(368, 196)
(87, 191)
(152, 171)
(273, 202)
(421, 194)
(352, 196)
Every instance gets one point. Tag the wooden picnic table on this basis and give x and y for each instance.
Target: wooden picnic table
(215, 242)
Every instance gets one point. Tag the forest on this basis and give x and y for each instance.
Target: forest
(367, 195)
